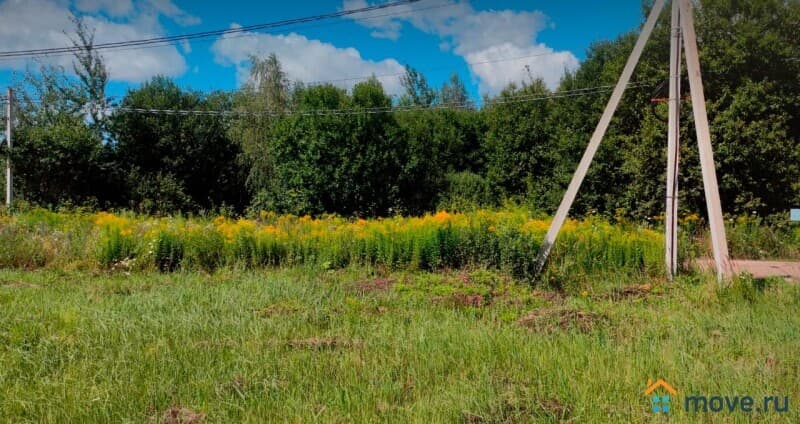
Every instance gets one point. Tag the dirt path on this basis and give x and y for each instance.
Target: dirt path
(759, 269)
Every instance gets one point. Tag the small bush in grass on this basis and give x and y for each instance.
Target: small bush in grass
(114, 246)
(22, 249)
(168, 250)
(203, 249)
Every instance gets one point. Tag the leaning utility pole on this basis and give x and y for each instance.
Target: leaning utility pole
(682, 17)
(9, 131)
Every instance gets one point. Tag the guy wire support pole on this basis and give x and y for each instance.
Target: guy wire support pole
(597, 136)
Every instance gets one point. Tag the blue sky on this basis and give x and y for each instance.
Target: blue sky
(488, 43)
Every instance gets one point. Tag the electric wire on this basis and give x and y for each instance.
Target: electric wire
(205, 34)
(469, 104)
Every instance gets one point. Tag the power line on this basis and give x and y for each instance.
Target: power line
(247, 34)
(380, 76)
(376, 110)
(204, 34)
(337, 80)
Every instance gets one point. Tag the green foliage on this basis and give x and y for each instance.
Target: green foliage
(58, 158)
(507, 240)
(19, 249)
(332, 163)
(203, 250)
(416, 91)
(168, 251)
(115, 246)
(466, 191)
(176, 163)
(436, 143)
(288, 152)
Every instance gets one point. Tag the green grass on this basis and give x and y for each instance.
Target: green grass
(365, 345)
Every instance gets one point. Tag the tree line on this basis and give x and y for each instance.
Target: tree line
(417, 153)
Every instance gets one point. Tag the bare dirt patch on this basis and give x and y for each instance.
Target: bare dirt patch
(178, 415)
(553, 407)
(276, 309)
(630, 292)
(789, 270)
(549, 296)
(513, 409)
(19, 284)
(371, 286)
(550, 320)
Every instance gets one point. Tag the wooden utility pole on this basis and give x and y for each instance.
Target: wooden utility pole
(719, 242)
(681, 16)
(673, 144)
(9, 131)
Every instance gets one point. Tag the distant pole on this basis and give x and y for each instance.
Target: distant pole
(673, 144)
(9, 131)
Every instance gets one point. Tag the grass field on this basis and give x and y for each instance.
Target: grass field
(127, 318)
(368, 344)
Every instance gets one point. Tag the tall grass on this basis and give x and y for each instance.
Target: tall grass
(508, 240)
(301, 345)
(749, 237)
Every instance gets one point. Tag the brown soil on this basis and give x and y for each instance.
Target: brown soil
(276, 309)
(549, 320)
(177, 415)
(375, 285)
(630, 292)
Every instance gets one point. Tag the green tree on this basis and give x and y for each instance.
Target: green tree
(90, 91)
(260, 102)
(57, 157)
(416, 91)
(453, 92)
(325, 162)
(519, 142)
(176, 162)
(436, 143)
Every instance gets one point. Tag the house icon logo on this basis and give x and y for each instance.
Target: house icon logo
(660, 399)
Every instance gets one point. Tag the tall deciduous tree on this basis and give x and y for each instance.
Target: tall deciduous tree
(176, 162)
(90, 92)
(416, 91)
(453, 92)
(261, 101)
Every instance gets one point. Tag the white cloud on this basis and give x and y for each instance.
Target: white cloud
(479, 36)
(537, 61)
(35, 24)
(305, 60)
(170, 10)
(186, 46)
(125, 8)
(114, 8)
